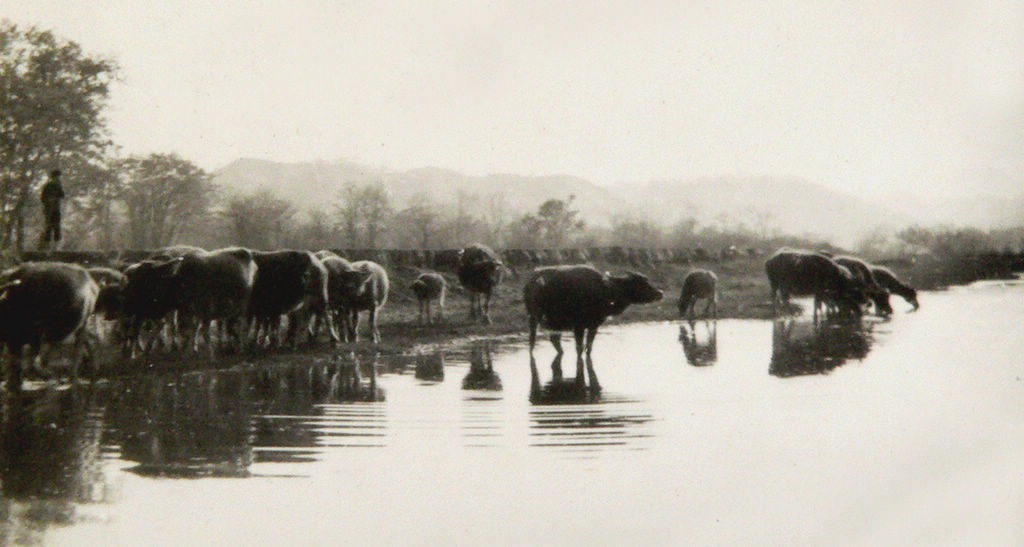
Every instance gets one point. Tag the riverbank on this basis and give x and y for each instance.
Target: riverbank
(743, 294)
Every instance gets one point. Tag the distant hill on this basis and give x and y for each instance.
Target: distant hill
(316, 185)
(791, 205)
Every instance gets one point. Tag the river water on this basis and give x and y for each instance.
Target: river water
(904, 431)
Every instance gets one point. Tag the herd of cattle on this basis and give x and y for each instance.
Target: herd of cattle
(185, 296)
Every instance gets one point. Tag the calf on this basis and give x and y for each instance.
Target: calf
(699, 284)
(362, 288)
(804, 273)
(428, 287)
(42, 304)
(889, 281)
(480, 271)
(580, 298)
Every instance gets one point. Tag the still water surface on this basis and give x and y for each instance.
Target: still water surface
(906, 431)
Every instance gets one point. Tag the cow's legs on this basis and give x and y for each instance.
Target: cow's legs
(487, 307)
(556, 340)
(591, 334)
(533, 333)
(578, 334)
(373, 325)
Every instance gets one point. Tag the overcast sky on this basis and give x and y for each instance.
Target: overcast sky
(874, 97)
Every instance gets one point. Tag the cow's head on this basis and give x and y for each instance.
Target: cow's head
(634, 288)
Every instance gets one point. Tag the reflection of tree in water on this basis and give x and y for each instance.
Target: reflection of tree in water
(50, 460)
(803, 347)
(430, 367)
(481, 375)
(699, 353)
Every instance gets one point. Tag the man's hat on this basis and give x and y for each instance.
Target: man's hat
(55, 173)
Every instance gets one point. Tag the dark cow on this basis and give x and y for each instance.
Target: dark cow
(112, 283)
(699, 284)
(580, 298)
(292, 283)
(150, 296)
(175, 251)
(862, 273)
(42, 304)
(804, 273)
(216, 286)
(889, 281)
(480, 271)
(362, 288)
(428, 287)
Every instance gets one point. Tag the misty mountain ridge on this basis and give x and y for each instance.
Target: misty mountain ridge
(765, 204)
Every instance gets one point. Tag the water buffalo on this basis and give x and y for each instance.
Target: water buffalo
(862, 273)
(805, 273)
(42, 304)
(480, 271)
(889, 281)
(216, 286)
(580, 298)
(699, 284)
(292, 283)
(364, 287)
(336, 290)
(150, 296)
(112, 284)
(428, 287)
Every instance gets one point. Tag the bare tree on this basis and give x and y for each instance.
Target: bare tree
(259, 221)
(163, 194)
(364, 211)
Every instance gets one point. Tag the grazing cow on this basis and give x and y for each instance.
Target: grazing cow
(580, 298)
(216, 286)
(480, 271)
(888, 280)
(42, 304)
(292, 283)
(150, 296)
(862, 273)
(699, 284)
(428, 287)
(805, 273)
(362, 288)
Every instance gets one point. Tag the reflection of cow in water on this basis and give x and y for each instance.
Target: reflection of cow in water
(564, 391)
(430, 367)
(481, 375)
(800, 348)
(699, 353)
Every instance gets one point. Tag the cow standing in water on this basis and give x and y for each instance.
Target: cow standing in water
(42, 304)
(805, 273)
(862, 273)
(699, 284)
(580, 298)
(362, 287)
(480, 271)
(428, 287)
(889, 281)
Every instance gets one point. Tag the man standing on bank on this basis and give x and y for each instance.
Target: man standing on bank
(51, 196)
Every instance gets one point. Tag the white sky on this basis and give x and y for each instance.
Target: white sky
(874, 97)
